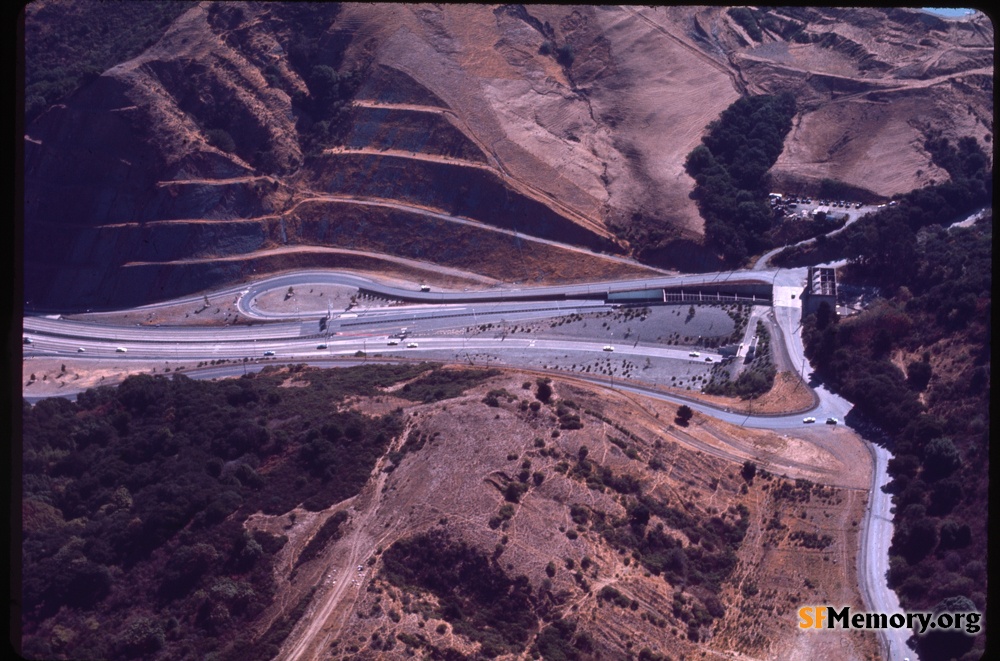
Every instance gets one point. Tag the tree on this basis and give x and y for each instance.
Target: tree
(948, 644)
(825, 315)
(749, 471)
(220, 139)
(915, 539)
(544, 391)
(684, 414)
(941, 458)
(918, 375)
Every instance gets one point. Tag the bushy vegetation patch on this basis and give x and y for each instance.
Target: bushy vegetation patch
(560, 641)
(754, 381)
(135, 499)
(475, 596)
(730, 169)
(444, 384)
(746, 20)
(934, 415)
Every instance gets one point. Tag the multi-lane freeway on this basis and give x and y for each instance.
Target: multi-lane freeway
(434, 324)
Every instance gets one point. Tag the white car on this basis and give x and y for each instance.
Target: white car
(694, 354)
(392, 343)
(832, 421)
(411, 345)
(80, 350)
(121, 350)
(809, 420)
(608, 347)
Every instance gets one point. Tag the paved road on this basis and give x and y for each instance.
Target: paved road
(346, 334)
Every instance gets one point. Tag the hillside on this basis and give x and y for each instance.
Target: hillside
(377, 511)
(568, 124)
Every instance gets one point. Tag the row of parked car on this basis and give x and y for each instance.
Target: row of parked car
(793, 201)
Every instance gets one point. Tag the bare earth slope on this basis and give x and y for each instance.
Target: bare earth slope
(565, 123)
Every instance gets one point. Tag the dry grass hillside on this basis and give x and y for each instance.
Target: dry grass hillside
(536, 498)
(569, 124)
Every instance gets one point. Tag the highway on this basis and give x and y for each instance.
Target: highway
(436, 327)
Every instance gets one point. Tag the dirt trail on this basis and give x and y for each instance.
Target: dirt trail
(413, 155)
(326, 616)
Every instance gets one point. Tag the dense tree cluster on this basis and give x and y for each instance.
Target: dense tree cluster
(730, 169)
(744, 17)
(934, 415)
(134, 500)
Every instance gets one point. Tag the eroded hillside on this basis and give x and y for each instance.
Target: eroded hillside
(499, 525)
(565, 124)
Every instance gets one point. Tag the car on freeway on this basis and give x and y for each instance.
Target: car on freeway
(411, 345)
(832, 421)
(121, 350)
(392, 343)
(27, 340)
(708, 359)
(694, 354)
(320, 346)
(268, 353)
(425, 288)
(809, 420)
(608, 347)
(80, 350)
